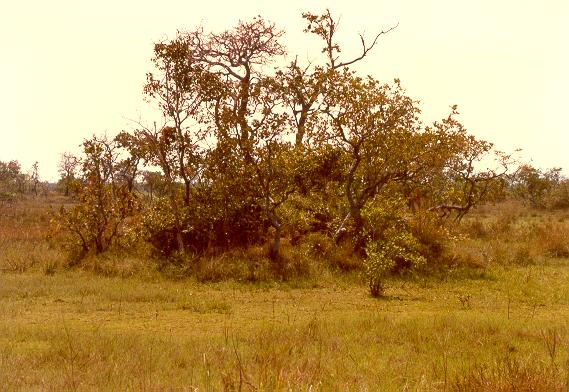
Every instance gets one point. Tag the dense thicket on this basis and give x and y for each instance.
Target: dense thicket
(249, 151)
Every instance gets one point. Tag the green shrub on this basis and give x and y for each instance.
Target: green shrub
(390, 245)
(397, 249)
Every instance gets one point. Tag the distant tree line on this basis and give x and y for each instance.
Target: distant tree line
(15, 182)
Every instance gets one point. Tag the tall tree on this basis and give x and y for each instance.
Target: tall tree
(180, 89)
(67, 168)
(378, 128)
(304, 85)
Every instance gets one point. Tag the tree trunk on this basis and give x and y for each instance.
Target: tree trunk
(353, 217)
(176, 212)
(339, 235)
(275, 249)
(276, 245)
(177, 225)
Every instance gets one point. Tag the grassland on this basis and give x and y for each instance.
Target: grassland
(492, 328)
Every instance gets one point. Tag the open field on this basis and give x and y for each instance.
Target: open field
(77, 331)
(500, 327)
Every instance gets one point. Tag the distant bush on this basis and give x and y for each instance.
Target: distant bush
(512, 236)
(558, 197)
(541, 189)
(552, 239)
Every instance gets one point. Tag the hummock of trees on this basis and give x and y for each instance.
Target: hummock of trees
(249, 151)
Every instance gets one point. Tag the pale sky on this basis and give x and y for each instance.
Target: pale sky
(71, 68)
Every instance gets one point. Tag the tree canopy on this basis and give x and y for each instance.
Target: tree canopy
(250, 150)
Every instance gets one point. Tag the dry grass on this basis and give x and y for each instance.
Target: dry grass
(509, 375)
(513, 236)
(23, 228)
(74, 330)
(122, 323)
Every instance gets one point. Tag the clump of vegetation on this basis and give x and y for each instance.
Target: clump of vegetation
(512, 234)
(309, 162)
(541, 189)
(227, 175)
(390, 244)
(258, 181)
(105, 199)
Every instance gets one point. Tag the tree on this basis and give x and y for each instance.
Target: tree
(180, 89)
(152, 145)
(238, 137)
(465, 184)
(242, 102)
(67, 168)
(153, 184)
(377, 126)
(533, 186)
(105, 202)
(304, 86)
(34, 178)
(9, 174)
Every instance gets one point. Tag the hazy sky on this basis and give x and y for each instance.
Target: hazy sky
(69, 69)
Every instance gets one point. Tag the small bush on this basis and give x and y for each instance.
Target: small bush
(399, 248)
(475, 228)
(511, 253)
(553, 239)
(467, 253)
(115, 264)
(318, 244)
(228, 266)
(252, 264)
(435, 237)
(558, 197)
(343, 258)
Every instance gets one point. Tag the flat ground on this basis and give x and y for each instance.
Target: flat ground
(75, 330)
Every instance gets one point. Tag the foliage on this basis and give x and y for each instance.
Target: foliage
(475, 173)
(10, 176)
(105, 201)
(67, 168)
(541, 189)
(249, 153)
(13, 181)
(558, 197)
(390, 245)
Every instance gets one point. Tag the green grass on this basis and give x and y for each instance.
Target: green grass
(77, 331)
(123, 323)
